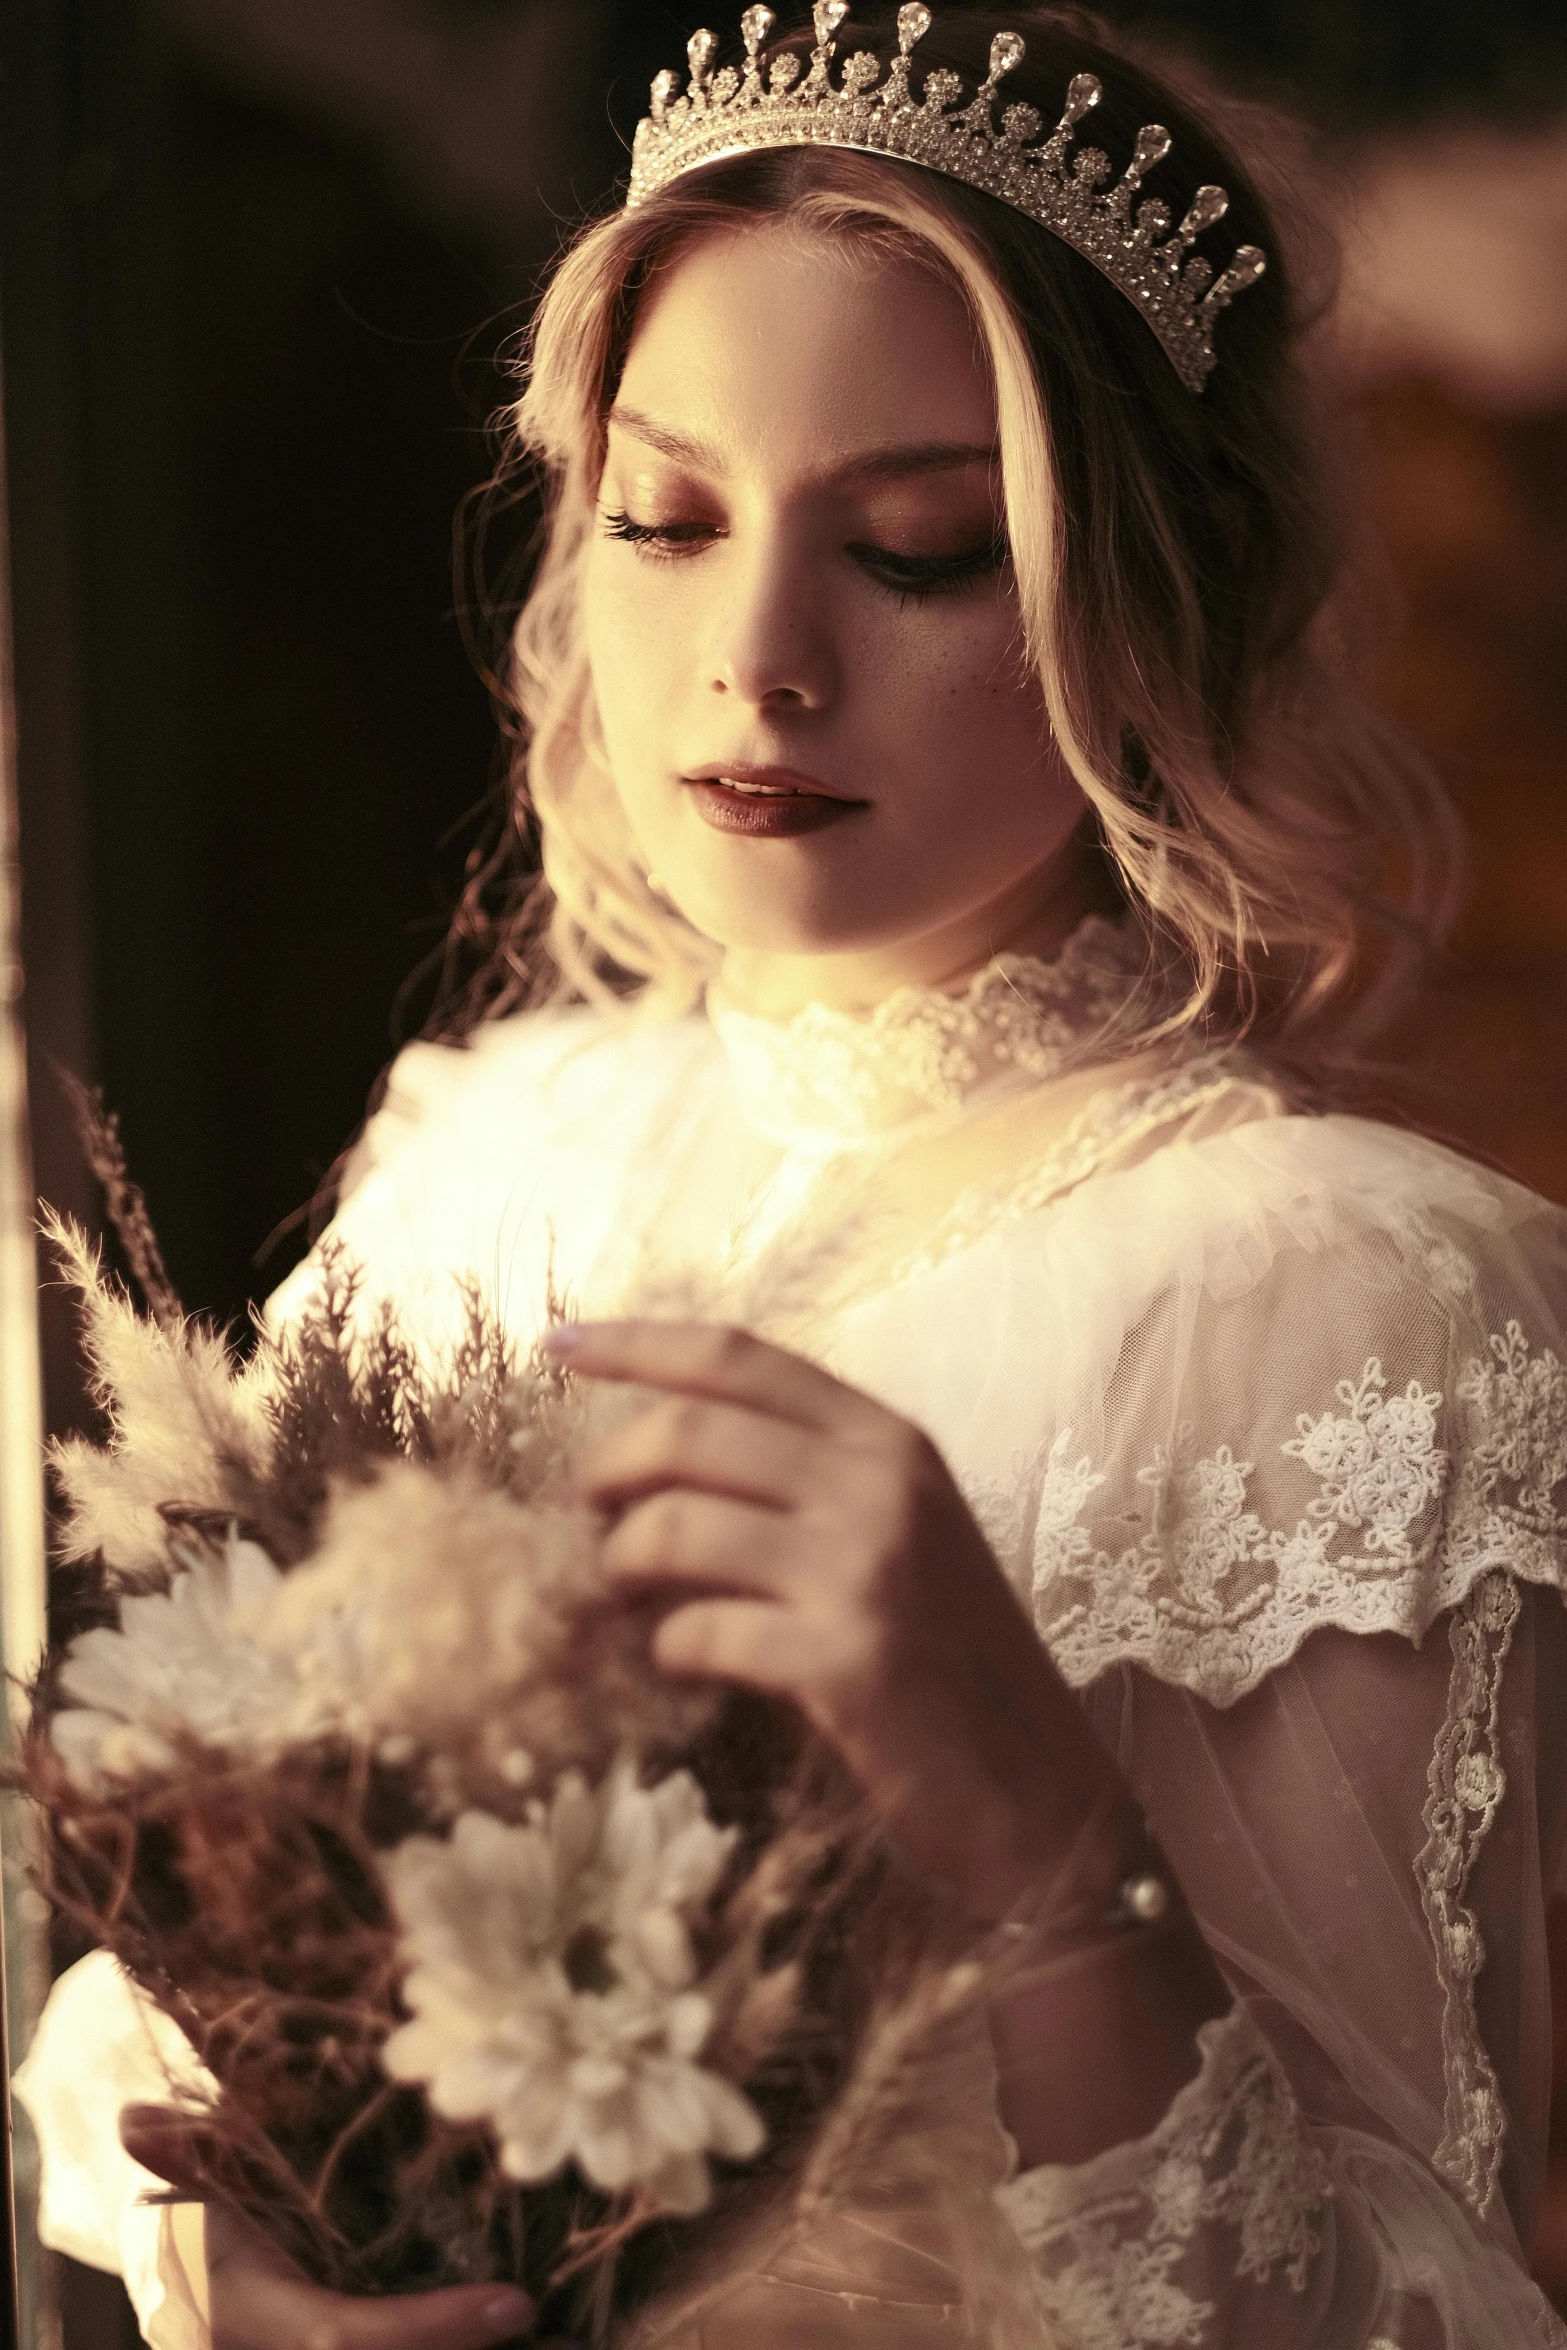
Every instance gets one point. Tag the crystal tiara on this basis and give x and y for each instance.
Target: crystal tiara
(733, 112)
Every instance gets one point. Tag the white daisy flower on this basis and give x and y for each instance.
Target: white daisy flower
(182, 1661)
(554, 1986)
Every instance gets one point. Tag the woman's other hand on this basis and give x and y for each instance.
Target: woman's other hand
(817, 1547)
(258, 2301)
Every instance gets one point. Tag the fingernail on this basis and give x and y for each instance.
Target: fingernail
(508, 2313)
(560, 1339)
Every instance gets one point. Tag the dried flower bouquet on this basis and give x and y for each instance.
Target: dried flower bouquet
(503, 1955)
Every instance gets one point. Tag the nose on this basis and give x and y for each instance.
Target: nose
(772, 645)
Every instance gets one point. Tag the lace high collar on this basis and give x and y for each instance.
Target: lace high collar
(844, 1080)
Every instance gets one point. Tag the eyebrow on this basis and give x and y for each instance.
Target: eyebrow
(895, 463)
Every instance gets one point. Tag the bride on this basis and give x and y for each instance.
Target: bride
(1150, 1477)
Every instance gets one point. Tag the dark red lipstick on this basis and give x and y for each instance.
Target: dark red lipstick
(767, 803)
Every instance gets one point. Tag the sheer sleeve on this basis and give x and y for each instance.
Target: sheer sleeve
(1303, 1551)
(1359, 2159)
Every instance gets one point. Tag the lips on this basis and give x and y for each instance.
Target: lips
(769, 803)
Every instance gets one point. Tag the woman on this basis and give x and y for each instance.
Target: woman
(931, 663)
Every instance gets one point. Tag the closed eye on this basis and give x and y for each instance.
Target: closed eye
(907, 576)
(920, 576)
(659, 538)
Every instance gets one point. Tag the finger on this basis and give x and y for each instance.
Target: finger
(160, 2138)
(712, 1359)
(266, 2309)
(466, 2317)
(703, 1538)
(705, 1447)
(744, 1640)
(261, 2302)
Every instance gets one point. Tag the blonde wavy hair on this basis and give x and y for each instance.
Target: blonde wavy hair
(1178, 561)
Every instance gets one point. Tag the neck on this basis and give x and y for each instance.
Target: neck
(1036, 917)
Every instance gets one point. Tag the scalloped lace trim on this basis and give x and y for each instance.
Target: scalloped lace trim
(1166, 1601)
(1109, 2238)
(1466, 1784)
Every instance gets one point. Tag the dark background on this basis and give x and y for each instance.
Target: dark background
(260, 263)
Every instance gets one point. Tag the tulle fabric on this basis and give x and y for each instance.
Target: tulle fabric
(99, 2046)
(1265, 1416)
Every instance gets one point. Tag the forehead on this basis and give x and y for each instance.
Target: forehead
(780, 349)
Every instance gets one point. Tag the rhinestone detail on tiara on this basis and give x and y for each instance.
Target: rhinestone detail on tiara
(733, 111)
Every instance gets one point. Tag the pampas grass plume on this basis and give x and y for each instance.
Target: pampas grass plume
(180, 1417)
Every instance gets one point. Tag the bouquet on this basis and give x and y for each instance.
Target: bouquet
(504, 1956)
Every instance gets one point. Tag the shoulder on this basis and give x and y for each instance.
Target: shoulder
(1350, 1207)
(1244, 1234)
(1324, 1383)
(1367, 1162)
(514, 1080)
(500, 1161)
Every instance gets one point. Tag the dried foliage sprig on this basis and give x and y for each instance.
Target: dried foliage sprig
(99, 1131)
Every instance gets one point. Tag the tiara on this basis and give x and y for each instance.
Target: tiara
(732, 112)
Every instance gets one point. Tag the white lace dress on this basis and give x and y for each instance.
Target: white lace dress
(1266, 1416)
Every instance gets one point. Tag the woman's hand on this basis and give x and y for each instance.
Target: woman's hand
(259, 2301)
(818, 1548)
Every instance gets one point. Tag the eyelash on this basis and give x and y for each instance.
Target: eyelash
(912, 578)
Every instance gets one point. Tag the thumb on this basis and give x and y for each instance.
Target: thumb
(165, 2141)
(260, 2301)
(257, 2304)
(464, 2317)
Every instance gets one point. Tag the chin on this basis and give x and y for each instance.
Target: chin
(769, 917)
(758, 917)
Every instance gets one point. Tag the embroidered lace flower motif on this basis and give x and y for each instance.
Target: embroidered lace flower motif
(1201, 1531)
(182, 1661)
(1123, 2295)
(1122, 2244)
(1522, 1402)
(1062, 1542)
(1201, 1522)
(1478, 1782)
(1379, 1461)
(554, 1989)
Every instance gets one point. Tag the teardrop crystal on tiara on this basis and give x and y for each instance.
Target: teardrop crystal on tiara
(1131, 242)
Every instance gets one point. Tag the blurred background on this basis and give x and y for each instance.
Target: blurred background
(261, 265)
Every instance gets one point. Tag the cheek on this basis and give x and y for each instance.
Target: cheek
(632, 641)
(969, 718)
(978, 771)
(619, 660)
(639, 625)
